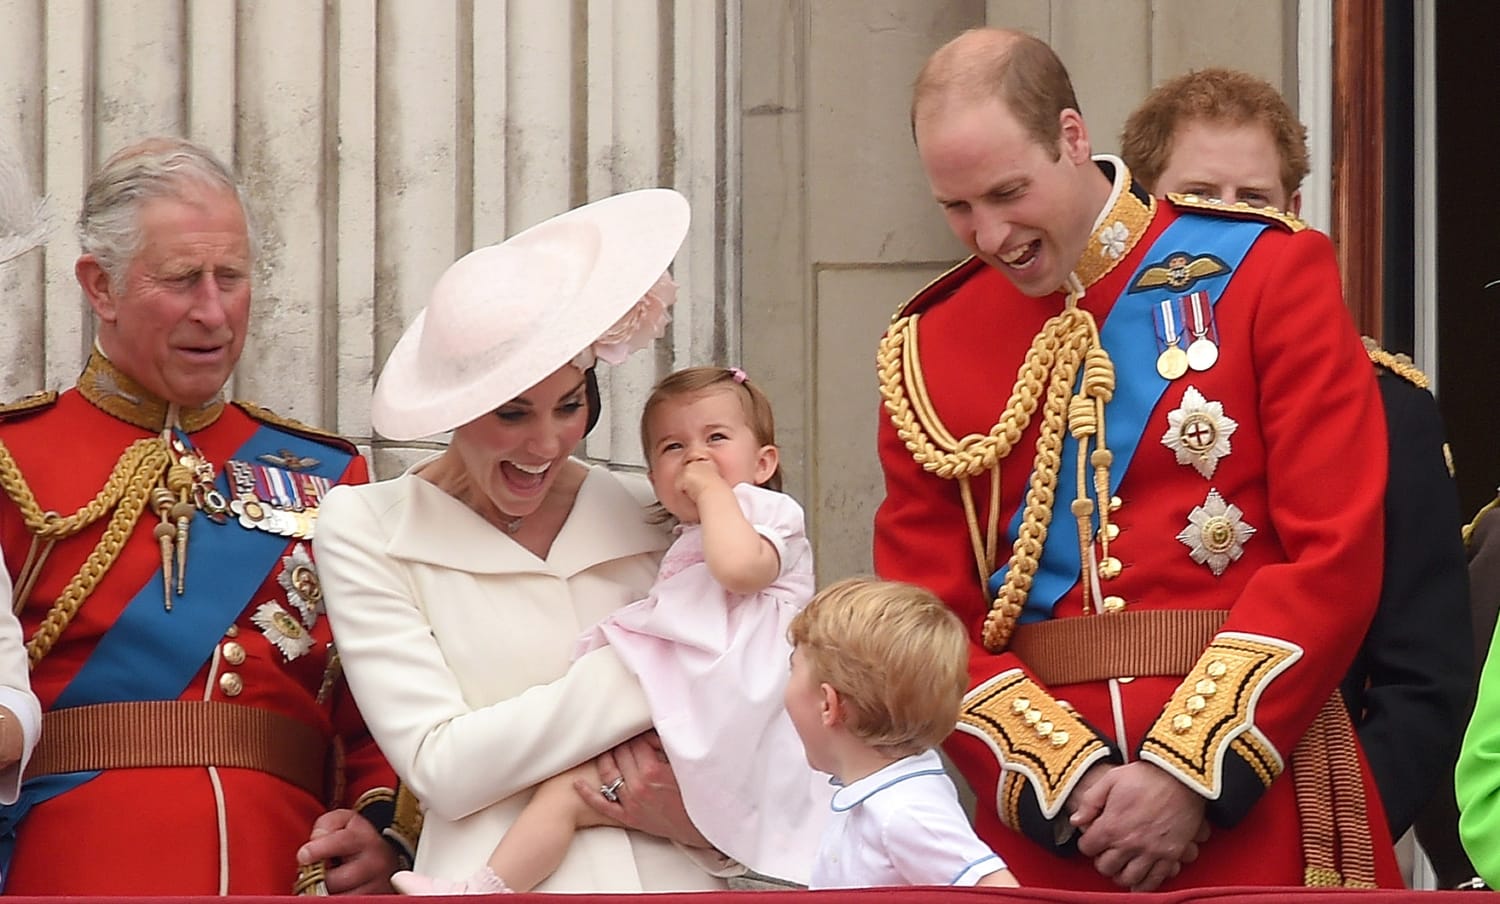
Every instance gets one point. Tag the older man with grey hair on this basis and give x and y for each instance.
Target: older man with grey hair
(197, 738)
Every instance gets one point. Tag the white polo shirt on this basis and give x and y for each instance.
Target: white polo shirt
(902, 825)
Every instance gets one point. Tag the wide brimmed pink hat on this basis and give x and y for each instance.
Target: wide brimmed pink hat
(503, 318)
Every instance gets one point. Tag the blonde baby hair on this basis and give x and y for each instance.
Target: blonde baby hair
(896, 655)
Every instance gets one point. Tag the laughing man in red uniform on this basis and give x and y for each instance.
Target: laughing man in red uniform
(1137, 446)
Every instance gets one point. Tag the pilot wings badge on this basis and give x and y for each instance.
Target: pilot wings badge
(1178, 272)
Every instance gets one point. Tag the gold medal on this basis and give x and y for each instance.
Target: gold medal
(1172, 363)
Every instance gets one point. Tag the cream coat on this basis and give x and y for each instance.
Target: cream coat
(456, 643)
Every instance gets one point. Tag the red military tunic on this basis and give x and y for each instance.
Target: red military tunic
(181, 830)
(1306, 468)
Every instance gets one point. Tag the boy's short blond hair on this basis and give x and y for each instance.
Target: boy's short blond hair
(896, 655)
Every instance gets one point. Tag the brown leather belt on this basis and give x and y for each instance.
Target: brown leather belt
(180, 733)
(1128, 644)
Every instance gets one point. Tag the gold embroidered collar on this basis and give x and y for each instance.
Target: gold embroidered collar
(1120, 226)
(110, 390)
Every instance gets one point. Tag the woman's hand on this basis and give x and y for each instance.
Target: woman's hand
(648, 800)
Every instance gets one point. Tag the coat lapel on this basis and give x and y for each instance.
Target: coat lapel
(606, 523)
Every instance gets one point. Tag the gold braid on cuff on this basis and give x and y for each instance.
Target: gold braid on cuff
(1033, 736)
(1214, 707)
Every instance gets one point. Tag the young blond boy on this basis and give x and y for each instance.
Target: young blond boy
(877, 676)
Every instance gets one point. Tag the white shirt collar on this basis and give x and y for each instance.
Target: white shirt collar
(852, 795)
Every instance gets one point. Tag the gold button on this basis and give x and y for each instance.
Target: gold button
(1020, 704)
(1196, 703)
(1033, 716)
(231, 684)
(1115, 502)
(1044, 729)
(234, 631)
(234, 654)
(1110, 568)
(1206, 687)
(1182, 723)
(1112, 532)
(1059, 738)
(1217, 669)
(1114, 603)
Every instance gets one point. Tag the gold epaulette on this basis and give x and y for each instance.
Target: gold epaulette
(31, 404)
(292, 425)
(939, 288)
(1238, 210)
(1398, 364)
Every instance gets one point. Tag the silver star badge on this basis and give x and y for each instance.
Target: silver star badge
(1198, 432)
(1216, 533)
(299, 579)
(282, 629)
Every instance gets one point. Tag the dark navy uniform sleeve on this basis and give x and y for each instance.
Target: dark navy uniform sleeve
(1408, 687)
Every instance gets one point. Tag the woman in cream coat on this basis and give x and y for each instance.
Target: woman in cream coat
(457, 590)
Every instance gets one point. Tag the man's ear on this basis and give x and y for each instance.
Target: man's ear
(1073, 137)
(765, 464)
(1294, 206)
(96, 287)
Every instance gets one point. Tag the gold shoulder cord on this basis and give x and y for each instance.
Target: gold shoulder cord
(1066, 342)
(125, 492)
(1400, 365)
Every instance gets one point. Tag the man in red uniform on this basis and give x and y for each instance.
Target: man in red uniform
(196, 737)
(1137, 446)
(1220, 133)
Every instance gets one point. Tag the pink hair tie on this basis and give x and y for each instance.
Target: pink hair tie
(739, 375)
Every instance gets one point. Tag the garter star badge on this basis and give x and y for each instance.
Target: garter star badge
(1198, 432)
(1216, 533)
(282, 629)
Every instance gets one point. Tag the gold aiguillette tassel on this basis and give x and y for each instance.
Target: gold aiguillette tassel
(180, 482)
(161, 500)
(181, 512)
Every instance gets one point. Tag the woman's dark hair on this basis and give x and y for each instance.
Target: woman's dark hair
(591, 393)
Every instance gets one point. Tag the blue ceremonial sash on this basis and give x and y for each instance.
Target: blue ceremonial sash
(152, 654)
(1129, 335)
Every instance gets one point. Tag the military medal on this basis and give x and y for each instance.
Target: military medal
(1203, 351)
(1216, 533)
(275, 500)
(1172, 362)
(1198, 432)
